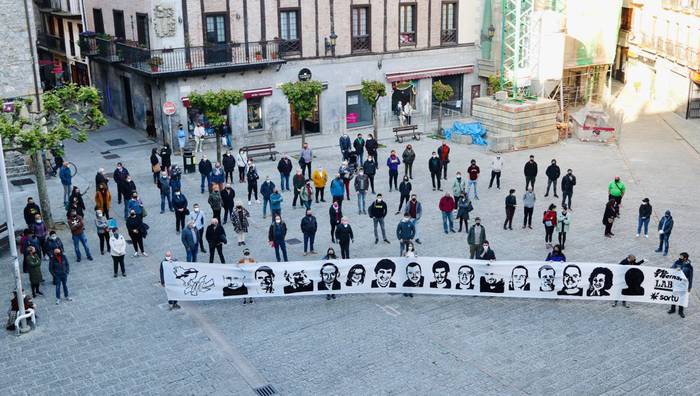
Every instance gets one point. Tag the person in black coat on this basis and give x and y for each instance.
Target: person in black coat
(120, 174)
(371, 146)
(137, 232)
(30, 211)
(276, 235)
(609, 217)
(552, 173)
(434, 166)
(344, 235)
(165, 153)
(405, 190)
(284, 166)
(335, 214)
(227, 200)
(567, 187)
(485, 252)
(216, 238)
(530, 171)
(308, 228)
(204, 167)
(229, 162)
(370, 169)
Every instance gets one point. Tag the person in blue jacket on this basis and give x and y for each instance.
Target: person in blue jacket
(66, 181)
(337, 189)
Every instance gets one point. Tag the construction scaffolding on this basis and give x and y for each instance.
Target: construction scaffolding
(580, 86)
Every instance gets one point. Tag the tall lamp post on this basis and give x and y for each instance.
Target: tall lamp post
(23, 328)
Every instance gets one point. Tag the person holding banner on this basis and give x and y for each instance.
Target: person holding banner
(167, 259)
(683, 264)
(344, 235)
(629, 260)
(275, 237)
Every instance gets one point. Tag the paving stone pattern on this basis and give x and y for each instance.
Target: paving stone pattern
(118, 337)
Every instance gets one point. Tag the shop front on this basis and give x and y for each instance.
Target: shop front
(254, 99)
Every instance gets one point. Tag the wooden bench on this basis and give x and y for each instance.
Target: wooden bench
(4, 239)
(407, 130)
(261, 150)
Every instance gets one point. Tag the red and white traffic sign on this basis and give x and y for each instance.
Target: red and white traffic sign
(169, 108)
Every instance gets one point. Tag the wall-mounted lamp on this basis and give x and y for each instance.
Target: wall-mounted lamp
(330, 43)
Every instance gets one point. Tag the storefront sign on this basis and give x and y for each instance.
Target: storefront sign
(257, 93)
(304, 74)
(429, 73)
(352, 118)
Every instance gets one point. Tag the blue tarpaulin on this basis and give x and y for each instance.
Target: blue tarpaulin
(474, 129)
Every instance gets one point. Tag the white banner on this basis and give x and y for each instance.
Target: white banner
(426, 275)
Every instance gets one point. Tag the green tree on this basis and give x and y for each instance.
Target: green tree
(214, 106)
(442, 93)
(69, 112)
(302, 97)
(372, 91)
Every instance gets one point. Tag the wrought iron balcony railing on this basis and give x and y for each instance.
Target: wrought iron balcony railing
(361, 44)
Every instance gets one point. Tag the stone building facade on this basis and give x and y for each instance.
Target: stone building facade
(174, 48)
(18, 74)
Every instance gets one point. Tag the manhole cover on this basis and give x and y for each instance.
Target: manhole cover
(111, 156)
(116, 142)
(293, 241)
(22, 182)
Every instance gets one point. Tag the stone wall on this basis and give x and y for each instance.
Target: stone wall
(16, 54)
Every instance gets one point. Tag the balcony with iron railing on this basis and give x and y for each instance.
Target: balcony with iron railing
(448, 36)
(194, 59)
(361, 44)
(49, 42)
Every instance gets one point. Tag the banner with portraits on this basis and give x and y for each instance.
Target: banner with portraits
(426, 275)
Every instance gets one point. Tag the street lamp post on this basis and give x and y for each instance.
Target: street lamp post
(23, 328)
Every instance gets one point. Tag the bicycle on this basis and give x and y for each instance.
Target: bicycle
(51, 171)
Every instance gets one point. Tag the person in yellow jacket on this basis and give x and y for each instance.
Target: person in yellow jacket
(320, 178)
(103, 199)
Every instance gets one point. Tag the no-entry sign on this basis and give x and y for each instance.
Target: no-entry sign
(169, 108)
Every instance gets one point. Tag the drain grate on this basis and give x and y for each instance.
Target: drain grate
(111, 156)
(266, 390)
(116, 142)
(22, 182)
(293, 241)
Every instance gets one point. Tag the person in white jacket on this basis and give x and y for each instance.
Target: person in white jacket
(241, 163)
(199, 220)
(496, 167)
(117, 245)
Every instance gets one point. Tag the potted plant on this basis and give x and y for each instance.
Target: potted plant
(273, 54)
(258, 56)
(155, 63)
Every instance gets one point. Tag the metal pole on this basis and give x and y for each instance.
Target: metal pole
(23, 328)
(170, 131)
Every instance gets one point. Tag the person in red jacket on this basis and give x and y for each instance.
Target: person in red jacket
(444, 154)
(447, 205)
(549, 219)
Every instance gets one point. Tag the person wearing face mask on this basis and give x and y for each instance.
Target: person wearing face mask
(239, 220)
(53, 242)
(556, 255)
(473, 172)
(308, 229)
(40, 230)
(464, 206)
(76, 200)
(137, 232)
(227, 197)
(252, 176)
(359, 145)
(181, 138)
(346, 175)
(165, 153)
(405, 232)
(567, 187)
(485, 252)
(496, 168)
(361, 186)
(408, 156)
(276, 200)
(30, 210)
(204, 167)
(476, 237)
(167, 259)
(370, 168)
(563, 223)
(198, 217)
(276, 235)
(549, 219)
(393, 163)
(129, 188)
(459, 186)
(330, 254)
(66, 181)
(530, 171)
(511, 203)
(217, 177)
(344, 235)
(77, 229)
(371, 145)
(344, 144)
(443, 153)
(215, 202)
(435, 166)
(665, 227)
(119, 175)
(118, 244)
(33, 263)
(242, 164)
(165, 192)
(181, 210)
(529, 199)
(320, 178)
(266, 189)
(229, 163)
(284, 167)
(337, 190)
(175, 180)
(298, 182)
(405, 189)
(102, 226)
(155, 164)
(306, 196)
(305, 158)
(216, 238)
(552, 173)
(377, 212)
(447, 205)
(414, 209)
(644, 217)
(335, 214)
(190, 240)
(616, 190)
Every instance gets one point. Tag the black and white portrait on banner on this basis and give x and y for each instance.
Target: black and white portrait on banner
(265, 278)
(599, 282)
(356, 276)
(634, 277)
(572, 280)
(519, 280)
(547, 274)
(192, 281)
(235, 284)
(465, 278)
(414, 275)
(491, 282)
(383, 272)
(441, 271)
(329, 277)
(298, 282)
